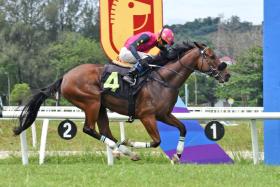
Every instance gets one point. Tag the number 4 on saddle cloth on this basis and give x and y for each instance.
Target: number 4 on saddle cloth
(113, 84)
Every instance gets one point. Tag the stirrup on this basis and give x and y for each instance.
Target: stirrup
(130, 119)
(126, 79)
(134, 82)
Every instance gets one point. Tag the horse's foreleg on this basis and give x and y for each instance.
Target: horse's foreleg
(173, 121)
(151, 127)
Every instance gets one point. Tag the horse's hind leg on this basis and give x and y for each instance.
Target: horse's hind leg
(94, 114)
(103, 124)
(91, 112)
(104, 128)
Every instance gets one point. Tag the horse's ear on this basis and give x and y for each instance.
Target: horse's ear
(185, 43)
(197, 45)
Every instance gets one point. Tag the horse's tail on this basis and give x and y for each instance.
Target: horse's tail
(30, 110)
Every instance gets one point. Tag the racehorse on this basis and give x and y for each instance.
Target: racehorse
(82, 87)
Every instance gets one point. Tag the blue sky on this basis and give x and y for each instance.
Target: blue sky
(181, 11)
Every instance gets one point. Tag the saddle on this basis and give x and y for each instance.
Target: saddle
(112, 83)
(122, 63)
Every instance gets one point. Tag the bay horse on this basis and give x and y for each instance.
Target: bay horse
(82, 87)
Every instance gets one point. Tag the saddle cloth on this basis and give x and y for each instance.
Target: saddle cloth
(113, 84)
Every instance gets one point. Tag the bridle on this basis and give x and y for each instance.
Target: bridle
(212, 72)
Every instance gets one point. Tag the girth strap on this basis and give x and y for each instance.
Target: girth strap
(131, 105)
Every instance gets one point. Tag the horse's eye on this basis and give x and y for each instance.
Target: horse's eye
(213, 57)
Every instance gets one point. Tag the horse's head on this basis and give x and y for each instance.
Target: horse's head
(209, 64)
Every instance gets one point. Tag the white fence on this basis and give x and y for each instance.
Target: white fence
(191, 109)
(226, 109)
(47, 113)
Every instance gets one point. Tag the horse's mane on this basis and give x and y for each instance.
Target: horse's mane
(173, 53)
(181, 48)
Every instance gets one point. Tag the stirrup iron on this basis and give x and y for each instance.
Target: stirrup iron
(130, 119)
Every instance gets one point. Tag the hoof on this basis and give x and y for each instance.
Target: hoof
(175, 159)
(135, 157)
(127, 143)
(116, 154)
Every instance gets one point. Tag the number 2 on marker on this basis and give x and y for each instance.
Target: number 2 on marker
(68, 129)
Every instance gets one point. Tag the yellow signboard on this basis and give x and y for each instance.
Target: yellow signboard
(120, 19)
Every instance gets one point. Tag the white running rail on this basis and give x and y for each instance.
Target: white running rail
(191, 109)
(49, 113)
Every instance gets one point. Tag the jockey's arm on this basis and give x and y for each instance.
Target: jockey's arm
(164, 48)
(165, 54)
(133, 47)
(163, 51)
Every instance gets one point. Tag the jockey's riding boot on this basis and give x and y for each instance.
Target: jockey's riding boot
(146, 61)
(130, 77)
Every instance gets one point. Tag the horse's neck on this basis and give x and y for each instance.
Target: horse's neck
(184, 67)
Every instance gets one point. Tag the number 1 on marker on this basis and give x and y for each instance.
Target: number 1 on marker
(214, 129)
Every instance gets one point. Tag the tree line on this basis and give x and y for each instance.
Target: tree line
(40, 40)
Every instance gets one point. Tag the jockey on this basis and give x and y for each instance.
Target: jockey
(135, 48)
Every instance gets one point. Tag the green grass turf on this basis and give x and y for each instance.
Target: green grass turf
(237, 138)
(91, 170)
(154, 169)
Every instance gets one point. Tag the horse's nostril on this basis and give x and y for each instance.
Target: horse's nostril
(227, 76)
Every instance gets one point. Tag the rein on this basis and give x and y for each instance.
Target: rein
(157, 66)
(189, 67)
(212, 72)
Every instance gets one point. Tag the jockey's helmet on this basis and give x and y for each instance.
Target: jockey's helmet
(167, 36)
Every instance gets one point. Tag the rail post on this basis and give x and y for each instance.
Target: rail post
(43, 141)
(24, 149)
(255, 145)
